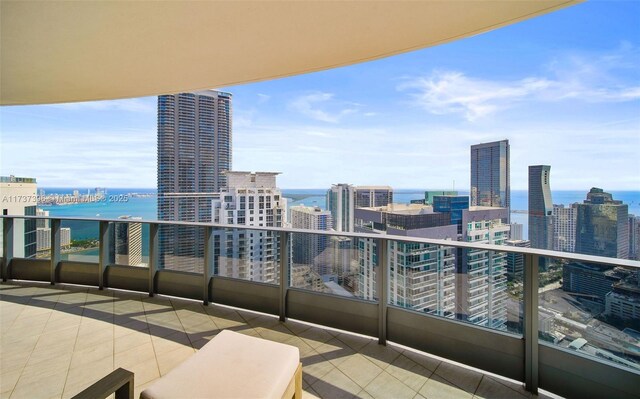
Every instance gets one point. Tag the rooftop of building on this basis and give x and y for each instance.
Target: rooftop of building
(57, 340)
(403, 209)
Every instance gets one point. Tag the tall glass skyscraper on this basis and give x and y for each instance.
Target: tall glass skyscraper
(540, 207)
(602, 226)
(490, 184)
(194, 151)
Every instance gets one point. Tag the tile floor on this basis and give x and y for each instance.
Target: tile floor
(57, 340)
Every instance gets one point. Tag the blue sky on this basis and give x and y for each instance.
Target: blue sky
(564, 88)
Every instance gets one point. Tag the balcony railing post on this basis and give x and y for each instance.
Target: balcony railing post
(7, 246)
(531, 279)
(284, 272)
(106, 232)
(55, 248)
(382, 288)
(208, 262)
(153, 256)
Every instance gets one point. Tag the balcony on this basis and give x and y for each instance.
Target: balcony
(57, 340)
(356, 347)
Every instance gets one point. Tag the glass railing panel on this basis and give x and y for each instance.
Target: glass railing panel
(593, 309)
(422, 277)
(181, 248)
(80, 240)
(460, 284)
(252, 255)
(1, 238)
(131, 244)
(334, 265)
(24, 238)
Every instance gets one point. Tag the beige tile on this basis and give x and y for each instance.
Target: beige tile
(80, 378)
(380, 355)
(94, 353)
(42, 386)
(131, 341)
(490, 389)
(305, 349)
(134, 356)
(335, 351)
(145, 372)
(8, 380)
(48, 354)
(296, 327)
(55, 325)
(47, 365)
(277, 333)
(13, 362)
(364, 395)
(437, 387)
(315, 368)
(171, 342)
(409, 372)
(359, 369)
(387, 386)
(167, 361)
(314, 337)
(336, 385)
(26, 344)
(93, 338)
(354, 341)
(459, 376)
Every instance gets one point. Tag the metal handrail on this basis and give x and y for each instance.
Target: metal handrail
(448, 243)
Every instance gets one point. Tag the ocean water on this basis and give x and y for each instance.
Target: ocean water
(146, 207)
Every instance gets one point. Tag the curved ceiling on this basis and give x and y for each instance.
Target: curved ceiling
(66, 51)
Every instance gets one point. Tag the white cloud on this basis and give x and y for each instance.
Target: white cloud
(310, 106)
(263, 98)
(81, 159)
(579, 78)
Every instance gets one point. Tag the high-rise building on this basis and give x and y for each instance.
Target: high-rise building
(540, 207)
(455, 205)
(515, 262)
(341, 203)
(18, 197)
(194, 151)
(482, 275)
(490, 185)
(42, 223)
(343, 198)
(370, 196)
(43, 238)
(516, 231)
(128, 242)
(421, 276)
(311, 249)
(429, 195)
(564, 228)
(250, 199)
(634, 237)
(602, 226)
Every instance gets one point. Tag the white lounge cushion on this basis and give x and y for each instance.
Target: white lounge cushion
(231, 365)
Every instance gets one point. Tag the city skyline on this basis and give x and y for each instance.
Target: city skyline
(562, 99)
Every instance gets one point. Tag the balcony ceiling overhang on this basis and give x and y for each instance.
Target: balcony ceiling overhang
(66, 51)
